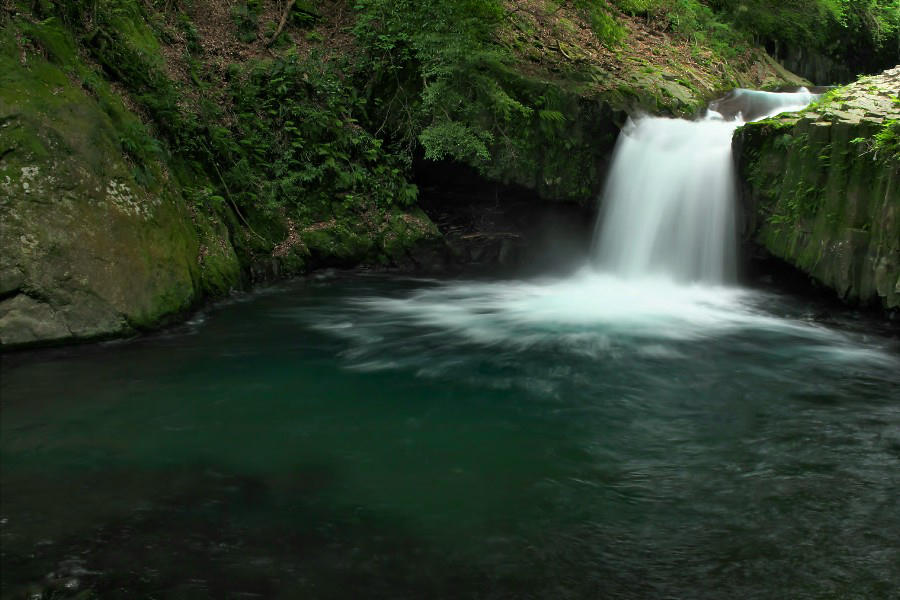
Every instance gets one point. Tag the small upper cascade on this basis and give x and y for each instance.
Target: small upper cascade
(668, 208)
(751, 105)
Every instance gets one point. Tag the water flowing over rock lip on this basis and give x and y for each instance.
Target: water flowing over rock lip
(747, 105)
(669, 205)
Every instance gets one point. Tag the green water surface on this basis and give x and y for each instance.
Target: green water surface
(297, 443)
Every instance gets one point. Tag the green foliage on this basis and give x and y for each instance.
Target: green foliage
(439, 85)
(299, 144)
(862, 33)
(439, 79)
(305, 14)
(245, 16)
(886, 144)
(454, 139)
(142, 151)
(790, 21)
(551, 116)
(430, 79)
(783, 141)
(145, 80)
(604, 24)
(607, 28)
(190, 35)
(694, 20)
(205, 198)
(291, 145)
(636, 7)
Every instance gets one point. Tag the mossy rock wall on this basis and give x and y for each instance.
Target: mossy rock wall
(94, 245)
(562, 160)
(823, 195)
(87, 250)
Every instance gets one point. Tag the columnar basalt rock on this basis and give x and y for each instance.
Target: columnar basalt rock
(821, 189)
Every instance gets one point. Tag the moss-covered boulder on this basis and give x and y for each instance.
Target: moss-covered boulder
(386, 238)
(822, 189)
(96, 239)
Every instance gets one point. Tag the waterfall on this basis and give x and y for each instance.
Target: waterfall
(669, 204)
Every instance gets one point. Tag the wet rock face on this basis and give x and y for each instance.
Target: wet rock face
(814, 66)
(822, 192)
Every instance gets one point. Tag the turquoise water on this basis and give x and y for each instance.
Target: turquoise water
(354, 436)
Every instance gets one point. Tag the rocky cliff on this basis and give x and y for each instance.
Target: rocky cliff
(822, 189)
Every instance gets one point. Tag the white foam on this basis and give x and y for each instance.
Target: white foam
(586, 310)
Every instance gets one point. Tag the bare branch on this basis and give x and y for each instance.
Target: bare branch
(282, 23)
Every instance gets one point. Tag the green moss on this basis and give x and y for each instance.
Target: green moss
(825, 206)
(106, 250)
(336, 243)
(56, 42)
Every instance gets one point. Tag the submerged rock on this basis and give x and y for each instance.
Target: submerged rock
(821, 189)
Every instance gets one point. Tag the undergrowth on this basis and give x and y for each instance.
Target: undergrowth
(861, 33)
(301, 136)
(294, 146)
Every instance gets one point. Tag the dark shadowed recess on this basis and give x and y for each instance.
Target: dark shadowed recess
(504, 228)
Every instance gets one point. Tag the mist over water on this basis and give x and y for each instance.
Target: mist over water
(585, 317)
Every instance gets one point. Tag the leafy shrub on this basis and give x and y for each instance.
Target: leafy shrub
(190, 35)
(300, 145)
(245, 15)
(605, 26)
(862, 33)
(886, 143)
(440, 79)
(293, 145)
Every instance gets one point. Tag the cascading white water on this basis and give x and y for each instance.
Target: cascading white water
(669, 201)
(668, 246)
(669, 205)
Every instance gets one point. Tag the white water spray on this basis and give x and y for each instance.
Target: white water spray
(669, 204)
(666, 252)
